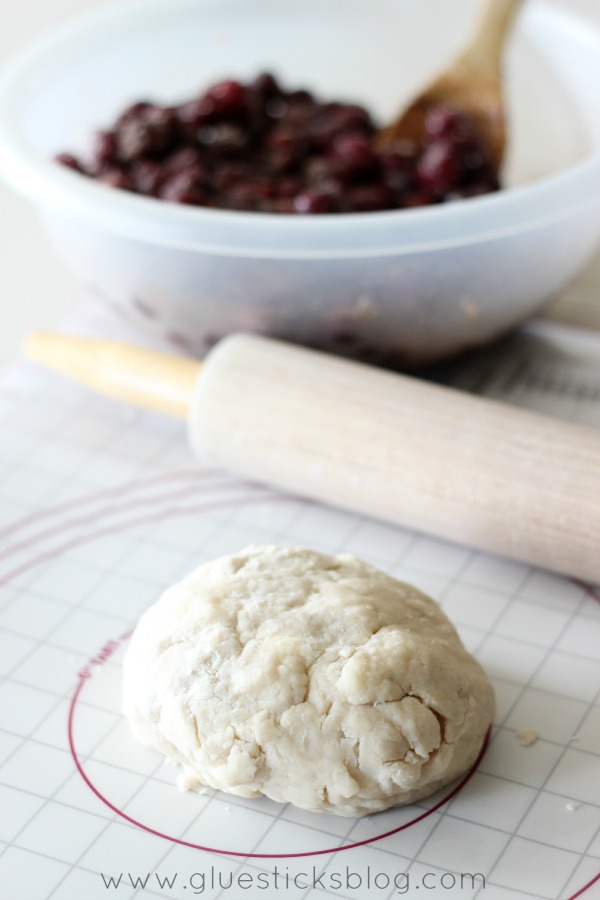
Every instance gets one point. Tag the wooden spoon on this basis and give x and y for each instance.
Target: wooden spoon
(472, 86)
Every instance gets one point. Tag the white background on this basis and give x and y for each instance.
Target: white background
(36, 290)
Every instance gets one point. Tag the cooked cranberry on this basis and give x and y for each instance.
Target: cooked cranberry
(312, 202)
(359, 115)
(181, 159)
(333, 119)
(486, 180)
(401, 159)
(355, 151)
(289, 186)
(224, 139)
(229, 98)
(163, 121)
(302, 97)
(367, 197)
(132, 139)
(335, 191)
(348, 117)
(297, 115)
(283, 138)
(287, 146)
(318, 168)
(66, 159)
(195, 113)
(444, 121)
(148, 134)
(147, 176)
(400, 182)
(470, 152)
(417, 197)
(248, 195)
(438, 168)
(279, 205)
(266, 85)
(104, 151)
(184, 187)
(280, 162)
(226, 174)
(256, 121)
(276, 107)
(133, 111)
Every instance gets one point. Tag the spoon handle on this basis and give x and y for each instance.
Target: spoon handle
(484, 50)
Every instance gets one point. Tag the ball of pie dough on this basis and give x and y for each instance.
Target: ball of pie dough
(312, 679)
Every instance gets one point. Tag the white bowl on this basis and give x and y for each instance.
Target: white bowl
(399, 286)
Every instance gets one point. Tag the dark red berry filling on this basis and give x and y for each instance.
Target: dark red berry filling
(259, 147)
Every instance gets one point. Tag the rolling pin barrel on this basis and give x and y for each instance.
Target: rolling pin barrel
(461, 467)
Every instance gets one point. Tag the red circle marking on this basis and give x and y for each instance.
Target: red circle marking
(87, 499)
(123, 525)
(115, 509)
(584, 888)
(175, 840)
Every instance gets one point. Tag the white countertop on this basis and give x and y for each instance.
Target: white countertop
(36, 289)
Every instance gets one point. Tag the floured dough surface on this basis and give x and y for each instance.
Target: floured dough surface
(316, 680)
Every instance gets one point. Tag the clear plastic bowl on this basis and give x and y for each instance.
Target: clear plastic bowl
(399, 287)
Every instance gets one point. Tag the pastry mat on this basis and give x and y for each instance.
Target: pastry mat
(102, 507)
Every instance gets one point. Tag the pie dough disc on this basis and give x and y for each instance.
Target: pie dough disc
(312, 679)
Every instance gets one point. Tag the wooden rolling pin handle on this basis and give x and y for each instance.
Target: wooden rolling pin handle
(153, 380)
(432, 458)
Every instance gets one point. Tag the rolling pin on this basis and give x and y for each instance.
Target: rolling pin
(460, 467)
